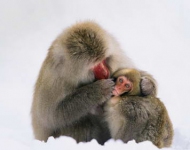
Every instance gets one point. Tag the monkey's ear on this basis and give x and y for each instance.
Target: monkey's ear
(136, 88)
(135, 77)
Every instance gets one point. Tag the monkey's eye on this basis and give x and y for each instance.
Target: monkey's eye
(121, 80)
(128, 86)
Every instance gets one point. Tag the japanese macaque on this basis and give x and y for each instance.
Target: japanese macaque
(127, 81)
(133, 117)
(74, 79)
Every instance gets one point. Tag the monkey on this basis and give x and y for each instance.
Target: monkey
(74, 78)
(138, 118)
(127, 81)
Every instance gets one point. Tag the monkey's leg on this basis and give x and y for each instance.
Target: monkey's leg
(88, 128)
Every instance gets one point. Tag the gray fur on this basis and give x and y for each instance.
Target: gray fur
(144, 118)
(65, 91)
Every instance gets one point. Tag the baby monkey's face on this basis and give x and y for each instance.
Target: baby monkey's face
(122, 85)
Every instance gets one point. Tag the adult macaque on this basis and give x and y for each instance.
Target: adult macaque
(140, 118)
(65, 91)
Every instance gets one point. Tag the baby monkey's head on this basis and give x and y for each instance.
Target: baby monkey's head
(127, 81)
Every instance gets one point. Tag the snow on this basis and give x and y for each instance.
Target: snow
(155, 34)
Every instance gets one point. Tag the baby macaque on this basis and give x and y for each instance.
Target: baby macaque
(132, 116)
(127, 81)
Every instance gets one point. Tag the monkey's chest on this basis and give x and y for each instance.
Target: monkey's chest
(114, 118)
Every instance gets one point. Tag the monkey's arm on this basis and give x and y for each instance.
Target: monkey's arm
(148, 84)
(77, 104)
(135, 108)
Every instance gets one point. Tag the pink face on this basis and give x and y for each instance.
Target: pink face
(101, 71)
(122, 85)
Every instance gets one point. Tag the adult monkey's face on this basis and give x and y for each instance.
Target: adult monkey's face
(101, 71)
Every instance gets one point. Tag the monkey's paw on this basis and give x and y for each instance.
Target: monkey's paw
(147, 86)
(107, 86)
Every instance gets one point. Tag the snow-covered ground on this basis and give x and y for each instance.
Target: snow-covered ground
(155, 34)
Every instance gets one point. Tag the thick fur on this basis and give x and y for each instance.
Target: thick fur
(141, 119)
(65, 91)
(134, 76)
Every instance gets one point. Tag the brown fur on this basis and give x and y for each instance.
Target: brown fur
(140, 118)
(134, 76)
(65, 91)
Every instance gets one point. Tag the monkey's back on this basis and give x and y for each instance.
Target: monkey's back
(146, 118)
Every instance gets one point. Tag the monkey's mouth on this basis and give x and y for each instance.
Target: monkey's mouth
(115, 92)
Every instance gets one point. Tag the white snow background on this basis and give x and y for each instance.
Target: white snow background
(154, 33)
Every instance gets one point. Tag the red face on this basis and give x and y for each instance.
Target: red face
(101, 71)
(122, 85)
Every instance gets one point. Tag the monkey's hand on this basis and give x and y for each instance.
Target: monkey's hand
(148, 87)
(106, 88)
(80, 102)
